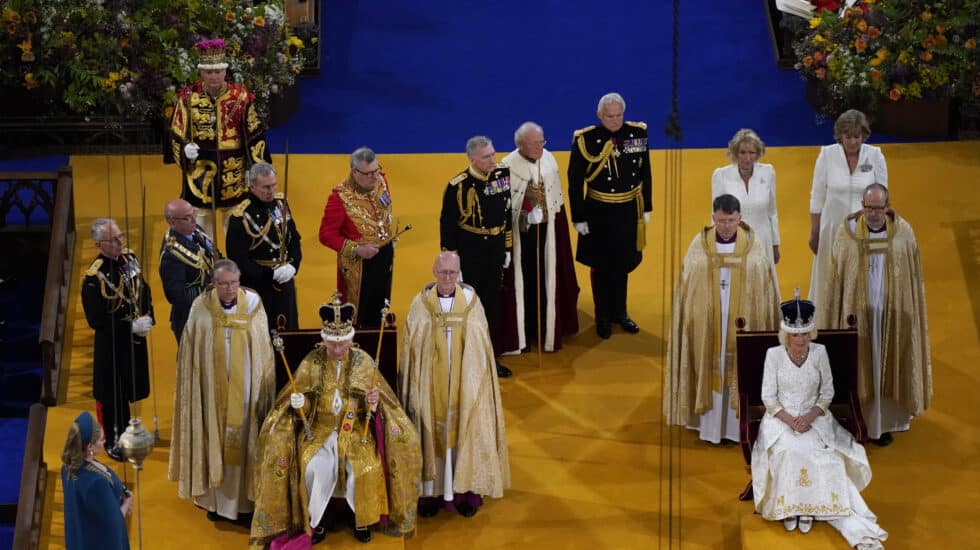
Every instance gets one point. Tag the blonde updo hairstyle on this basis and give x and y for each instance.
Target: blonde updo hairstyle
(745, 135)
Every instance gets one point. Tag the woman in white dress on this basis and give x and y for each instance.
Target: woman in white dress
(842, 172)
(753, 183)
(806, 466)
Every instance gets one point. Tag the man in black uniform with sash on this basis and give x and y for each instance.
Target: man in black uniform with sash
(186, 258)
(609, 190)
(118, 306)
(476, 224)
(262, 239)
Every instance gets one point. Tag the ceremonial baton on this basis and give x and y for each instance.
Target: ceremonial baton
(377, 361)
(277, 343)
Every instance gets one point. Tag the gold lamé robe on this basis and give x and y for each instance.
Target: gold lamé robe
(391, 488)
(906, 370)
(695, 326)
(480, 457)
(197, 443)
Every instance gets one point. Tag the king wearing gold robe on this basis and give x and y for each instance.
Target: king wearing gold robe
(314, 445)
(876, 275)
(450, 390)
(726, 274)
(225, 386)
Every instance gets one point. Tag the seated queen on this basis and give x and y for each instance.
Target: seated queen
(806, 466)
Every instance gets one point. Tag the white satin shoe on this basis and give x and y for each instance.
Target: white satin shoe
(790, 523)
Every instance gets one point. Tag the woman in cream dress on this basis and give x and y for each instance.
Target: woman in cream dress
(840, 175)
(806, 466)
(753, 183)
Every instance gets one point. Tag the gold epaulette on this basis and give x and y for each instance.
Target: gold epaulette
(93, 269)
(459, 177)
(500, 165)
(642, 125)
(282, 196)
(239, 210)
(581, 131)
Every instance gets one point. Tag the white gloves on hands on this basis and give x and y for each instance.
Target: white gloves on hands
(284, 273)
(297, 400)
(190, 151)
(535, 216)
(646, 217)
(582, 228)
(506, 260)
(142, 325)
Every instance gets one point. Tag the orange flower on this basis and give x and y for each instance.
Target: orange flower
(807, 61)
(970, 44)
(928, 43)
(926, 16)
(820, 73)
(818, 56)
(941, 41)
(229, 16)
(875, 61)
(940, 28)
(875, 74)
(123, 42)
(168, 112)
(860, 45)
(260, 21)
(873, 33)
(895, 94)
(925, 56)
(862, 26)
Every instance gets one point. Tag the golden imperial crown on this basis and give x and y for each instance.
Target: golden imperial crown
(338, 320)
(211, 54)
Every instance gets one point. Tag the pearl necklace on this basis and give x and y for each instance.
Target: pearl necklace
(798, 359)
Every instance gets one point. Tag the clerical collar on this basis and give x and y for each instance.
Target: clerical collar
(527, 158)
(720, 240)
(879, 230)
(229, 305)
(450, 295)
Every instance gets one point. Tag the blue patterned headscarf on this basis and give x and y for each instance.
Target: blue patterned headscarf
(85, 427)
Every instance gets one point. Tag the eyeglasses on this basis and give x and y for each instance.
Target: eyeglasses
(448, 273)
(539, 143)
(371, 173)
(874, 208)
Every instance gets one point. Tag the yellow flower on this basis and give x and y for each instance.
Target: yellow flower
(25, 46)
(926, 16)
(229, 16)
(876, 61)
(818, 39)
(815, 22)
(29, 81)
(970, 44)
(68, 35)
(10, 16)
(295, 42)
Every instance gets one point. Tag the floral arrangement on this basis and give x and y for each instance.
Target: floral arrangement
(119, 57)
(890, 50)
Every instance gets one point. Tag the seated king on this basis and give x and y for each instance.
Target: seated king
(338, 431)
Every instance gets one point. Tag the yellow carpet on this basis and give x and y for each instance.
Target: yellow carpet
(584, 430)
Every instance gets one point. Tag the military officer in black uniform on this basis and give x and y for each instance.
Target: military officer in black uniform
(476, 224)
(609, 190)
(118, 306)
(186, 258)
(262, 239)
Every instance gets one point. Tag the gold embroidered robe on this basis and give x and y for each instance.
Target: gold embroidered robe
(481, 463)
(906, 369)
(200, 399)
(693, 344)
(284, 452)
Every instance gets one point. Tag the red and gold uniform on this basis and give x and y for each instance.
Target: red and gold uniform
(230, 136)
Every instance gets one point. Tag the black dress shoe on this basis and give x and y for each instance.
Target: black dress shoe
(116, 454)
(213, 516)
(319, 533)
(628, 325)
(362, 535)
(885, 440)
(604, 330)
(503, 372)
(428, 510)
(466, 510)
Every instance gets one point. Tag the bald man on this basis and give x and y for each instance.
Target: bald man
(187, 255)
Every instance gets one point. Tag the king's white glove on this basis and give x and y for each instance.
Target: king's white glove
(582, 228)
(297, 400)
(190, 151)
(284, 273)
(646, 217)
(535, 216)
(141, 325)
(506, 260)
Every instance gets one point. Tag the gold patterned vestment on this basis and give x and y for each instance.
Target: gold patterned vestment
(695, 322)
(906, 370)
(230, 136)
(388, 486)
(474, 411)
(202, 434)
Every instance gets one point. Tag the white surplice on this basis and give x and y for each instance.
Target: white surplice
(720, 421)
(836, 193)
(820, 472)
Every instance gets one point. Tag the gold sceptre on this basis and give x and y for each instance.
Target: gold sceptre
(377, 363)
(277, 343)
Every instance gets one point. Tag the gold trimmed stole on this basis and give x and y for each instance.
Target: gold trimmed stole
(868, 247)
(446, 369)
(230, 385)
(735, 261)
